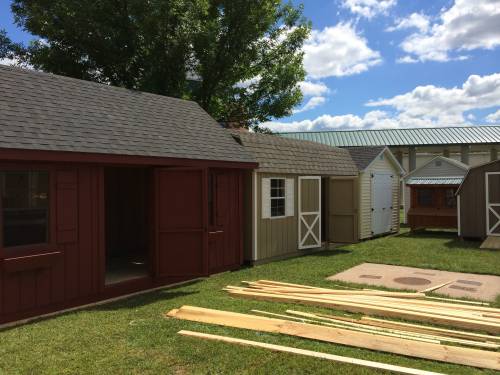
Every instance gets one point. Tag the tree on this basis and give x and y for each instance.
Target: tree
(8, 49)
(240, 60)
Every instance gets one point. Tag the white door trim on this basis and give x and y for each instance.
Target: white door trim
(309, 228)
(387, 211)
(490, 228)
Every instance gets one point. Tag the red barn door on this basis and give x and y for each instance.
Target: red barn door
(224, 230)
(181, 223)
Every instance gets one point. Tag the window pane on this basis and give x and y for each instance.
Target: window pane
(449, 198)
(277, 188)
(277, 207)
(424, 197)
(25, 207)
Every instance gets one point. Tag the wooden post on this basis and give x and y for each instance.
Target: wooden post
(446, 153)
(464, 154)
(412, 158)
(493, 154)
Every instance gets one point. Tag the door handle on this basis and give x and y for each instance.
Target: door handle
(217, 231)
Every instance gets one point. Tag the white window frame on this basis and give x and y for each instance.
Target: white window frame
(275, 198)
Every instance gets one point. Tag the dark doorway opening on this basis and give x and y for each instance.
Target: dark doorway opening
(127, 197)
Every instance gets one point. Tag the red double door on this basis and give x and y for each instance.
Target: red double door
(198, 222)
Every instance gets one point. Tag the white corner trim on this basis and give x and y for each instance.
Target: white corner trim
(255, 216)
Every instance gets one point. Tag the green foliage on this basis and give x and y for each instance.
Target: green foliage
(8, 49)
(203, 50)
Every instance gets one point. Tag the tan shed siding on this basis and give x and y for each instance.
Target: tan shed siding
(279, 236)
(378, 166)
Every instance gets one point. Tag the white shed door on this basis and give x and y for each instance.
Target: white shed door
(381, 202)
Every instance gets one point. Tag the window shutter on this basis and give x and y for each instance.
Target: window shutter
(266, 198)
(289, 197)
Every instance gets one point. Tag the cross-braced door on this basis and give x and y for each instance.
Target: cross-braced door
(492, 185)
(309, 212)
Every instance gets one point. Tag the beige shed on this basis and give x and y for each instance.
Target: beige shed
(302, 196)
(379, 190)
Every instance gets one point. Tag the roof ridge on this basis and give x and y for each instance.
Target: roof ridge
(390, 130)
(91, 83)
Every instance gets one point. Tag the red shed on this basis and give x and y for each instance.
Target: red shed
(107, 191)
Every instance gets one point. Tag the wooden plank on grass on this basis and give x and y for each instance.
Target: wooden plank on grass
(437, 352)
(309, 353)
(382, 311)
(428, 329)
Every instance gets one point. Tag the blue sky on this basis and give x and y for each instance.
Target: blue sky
(391, 64)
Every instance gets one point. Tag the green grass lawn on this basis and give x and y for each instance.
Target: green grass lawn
(132, 337)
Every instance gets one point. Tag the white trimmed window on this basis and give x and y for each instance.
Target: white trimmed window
(277, 197)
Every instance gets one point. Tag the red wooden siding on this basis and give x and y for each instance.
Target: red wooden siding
(224, 231)
(70, 269)
(181, 219)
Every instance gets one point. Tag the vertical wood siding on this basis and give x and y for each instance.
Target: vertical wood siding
(276, 237)
(365, 222)
(473, 201)
(71, 271)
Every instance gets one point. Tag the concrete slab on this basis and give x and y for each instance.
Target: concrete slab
(491, 242)
(469, 285)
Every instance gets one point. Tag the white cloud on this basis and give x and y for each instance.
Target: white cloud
(9, 62)
(309, 88)
(443, 106)
(493, 117)
(467, 25)
(338, 51)
(424, 106)
(313, 102)
(373, 119)
(368, 8)
(406, 60)
(414, 20)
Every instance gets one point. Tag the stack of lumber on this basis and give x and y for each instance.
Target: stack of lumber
(333, 333)
(400, 305)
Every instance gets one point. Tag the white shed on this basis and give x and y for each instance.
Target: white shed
(379, 190)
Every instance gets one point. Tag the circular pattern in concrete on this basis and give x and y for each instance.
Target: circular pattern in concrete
(412, 280)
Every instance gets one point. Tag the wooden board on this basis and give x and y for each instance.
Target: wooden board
(444, 353)
(455, 321)
(309, 353)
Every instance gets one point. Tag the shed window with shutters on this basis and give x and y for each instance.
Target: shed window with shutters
(278, 197)
(24, 207)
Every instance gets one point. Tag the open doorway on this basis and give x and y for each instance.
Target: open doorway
(127, 197)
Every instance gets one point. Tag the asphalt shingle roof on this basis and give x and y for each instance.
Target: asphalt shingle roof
(363, 156)
(403, 137)
(282, 155)
(40, 111)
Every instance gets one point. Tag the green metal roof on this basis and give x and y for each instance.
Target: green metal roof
(403, 137)
(434, 180)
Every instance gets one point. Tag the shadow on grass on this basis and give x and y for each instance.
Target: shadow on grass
(454, 241)
(129, 302)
